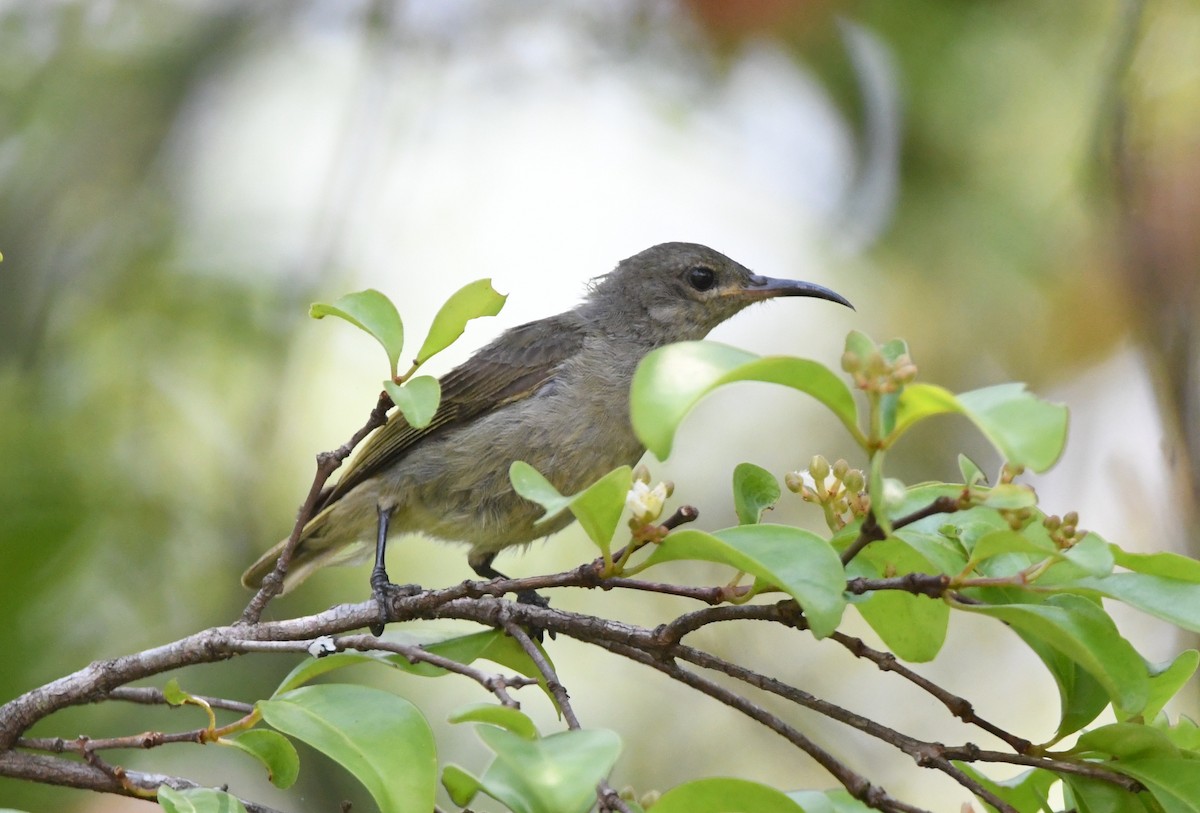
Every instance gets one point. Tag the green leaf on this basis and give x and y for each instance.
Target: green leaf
(1174, 783)
(380, 738)
(1028, 792)
(1004, 541)
(754, 490)
(273, 750)
(796, 561)
(174, 695)
(311, 668)
(971, 473)
(891, 351)
(1171, 565)
(912, 627)
(725, 795)
(1081, 697)
(373, 312)
(671, 380)
(1008, 496)
(1167, 679)
(598, 507)
(417, 399)
(828, 801)
(530, 484)
(1083, 632)
(511, 719)
(461, 786)
(197, 800)
(1087, 795)
(473, 300)
(1027, 431)
(1126, 741)
(943, 552)
(1172, 600)
(555, 774)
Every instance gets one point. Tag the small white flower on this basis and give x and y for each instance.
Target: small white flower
(645, 503)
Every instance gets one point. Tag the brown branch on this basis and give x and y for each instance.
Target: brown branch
(71, 774)
(958, 706)
(872, 532)
(327, 464)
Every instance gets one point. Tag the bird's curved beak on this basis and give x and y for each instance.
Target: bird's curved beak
(760, 287)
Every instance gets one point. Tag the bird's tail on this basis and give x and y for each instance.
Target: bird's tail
(315, 550)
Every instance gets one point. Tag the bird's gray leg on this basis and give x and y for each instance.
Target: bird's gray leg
(381, 585)
(482, 565)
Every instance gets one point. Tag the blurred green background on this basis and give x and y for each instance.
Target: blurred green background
(1013, 187)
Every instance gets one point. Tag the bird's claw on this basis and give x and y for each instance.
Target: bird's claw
(384, 593)
(535, 599)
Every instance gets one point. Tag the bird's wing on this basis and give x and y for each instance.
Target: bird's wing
(513, 367)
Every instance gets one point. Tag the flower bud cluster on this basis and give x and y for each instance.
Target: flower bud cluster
(837, 488)
(876, 374)
(1064, 531)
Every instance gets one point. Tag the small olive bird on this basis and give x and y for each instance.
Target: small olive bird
(554, 393)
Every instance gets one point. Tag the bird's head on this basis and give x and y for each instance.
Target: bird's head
(681, 291)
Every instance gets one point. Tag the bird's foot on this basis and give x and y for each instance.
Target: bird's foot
(535, 599)
(385, 592)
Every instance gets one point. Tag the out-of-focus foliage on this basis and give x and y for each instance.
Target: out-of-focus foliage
(155, 395)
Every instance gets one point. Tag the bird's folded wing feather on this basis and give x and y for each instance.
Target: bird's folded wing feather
(514, 367)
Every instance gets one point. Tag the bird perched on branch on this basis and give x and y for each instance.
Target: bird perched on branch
(554, 393)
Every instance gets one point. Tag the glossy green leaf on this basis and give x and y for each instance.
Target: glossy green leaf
(912, 627)
(173, 694)
(1004, 541)
(473, 300)
(1086, 795)
(1184, 733)
(417, 399)
(796, 561)
(1167, 679)
(598, 507)
(273, 750)
(828, 801)
(372, 312)
(1126, 741)
(1026, 430)
(1084, 633)
(530, 484)
(197, 800)
(725, 795)
(971, 473)
(1081, 697)
(1008, 496)
(311, 668)
(755, 490)
(1174, 783)
(555, 774)
(1172, 600)
(461, 785)
(511, 719)
(380, 738)
(1170, 565)
(945, 554)
(671, 380)
(1028, 792)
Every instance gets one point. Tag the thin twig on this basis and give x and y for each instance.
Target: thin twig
(327, 464)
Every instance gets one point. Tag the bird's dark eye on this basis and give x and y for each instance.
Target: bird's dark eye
(701, 278)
